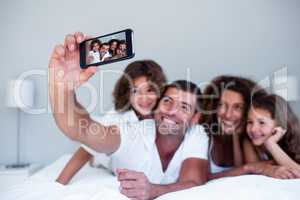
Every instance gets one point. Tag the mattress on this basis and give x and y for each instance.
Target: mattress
(99, 184)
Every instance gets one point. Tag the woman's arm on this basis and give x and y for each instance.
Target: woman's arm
(250, 155)
(237, 151)
(251, 159)
(78, 160)
(237, 171)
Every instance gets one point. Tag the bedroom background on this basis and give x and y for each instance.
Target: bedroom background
(197, 39)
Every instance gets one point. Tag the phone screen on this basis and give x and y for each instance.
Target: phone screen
(106, 49)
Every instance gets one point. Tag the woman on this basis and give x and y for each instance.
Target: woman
(135, 95)
(227, 99)
(113, 44)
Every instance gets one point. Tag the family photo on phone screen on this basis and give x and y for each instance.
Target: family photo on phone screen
(106, 48)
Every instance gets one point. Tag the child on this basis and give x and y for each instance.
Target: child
(121, 50)
(94, 53)
(274, 132)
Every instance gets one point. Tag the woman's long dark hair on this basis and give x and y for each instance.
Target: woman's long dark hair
(213, 93)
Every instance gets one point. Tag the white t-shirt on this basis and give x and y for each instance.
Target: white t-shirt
(110, 118)
(106, 55)
(138, 151)
(214, 168)
(95, 55)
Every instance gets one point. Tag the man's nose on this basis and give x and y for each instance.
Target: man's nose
(171, 109)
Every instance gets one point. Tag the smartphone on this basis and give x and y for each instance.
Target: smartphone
(106, 49)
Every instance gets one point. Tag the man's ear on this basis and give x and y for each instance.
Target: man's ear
(196, 118)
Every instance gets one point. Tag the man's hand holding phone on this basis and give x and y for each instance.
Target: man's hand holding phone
(65, 71)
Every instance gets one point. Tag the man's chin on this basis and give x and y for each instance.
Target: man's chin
(166, 129)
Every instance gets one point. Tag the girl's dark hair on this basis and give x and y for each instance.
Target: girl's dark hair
(147, 68)
(95, 41)
(284, 117)
(213, 93)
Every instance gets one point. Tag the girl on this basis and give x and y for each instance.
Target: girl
(273, 134)
(226, 103)
(135, 96)
(94, 53)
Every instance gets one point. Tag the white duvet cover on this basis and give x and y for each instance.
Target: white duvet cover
(99, 184)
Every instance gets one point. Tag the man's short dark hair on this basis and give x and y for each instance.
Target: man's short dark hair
(187, 86)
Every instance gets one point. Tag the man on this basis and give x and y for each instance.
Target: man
(104, 51)
(151, 157)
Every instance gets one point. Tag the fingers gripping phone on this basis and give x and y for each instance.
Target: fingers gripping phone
(106, 49)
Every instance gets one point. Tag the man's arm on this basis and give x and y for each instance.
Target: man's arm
(74, 121)
(193, 172)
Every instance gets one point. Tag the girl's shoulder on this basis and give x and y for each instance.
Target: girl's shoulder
(115, 117)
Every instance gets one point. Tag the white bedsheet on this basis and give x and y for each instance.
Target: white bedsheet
(98, 184)
(88, 184)
(248, 187)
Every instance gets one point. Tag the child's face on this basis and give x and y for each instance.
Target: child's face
(123, 47)
(119, 52)
(143, 97)
(96, 47)
(260, 126)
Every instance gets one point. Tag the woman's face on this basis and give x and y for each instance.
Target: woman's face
(143, 96)
(113, 46)
(230, 112)
(260, 125)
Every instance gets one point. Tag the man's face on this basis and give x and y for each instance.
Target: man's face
(104, 48)
(176, 111)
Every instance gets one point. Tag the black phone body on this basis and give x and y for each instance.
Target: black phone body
(106, 49)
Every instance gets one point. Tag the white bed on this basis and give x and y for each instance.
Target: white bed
(97, 184)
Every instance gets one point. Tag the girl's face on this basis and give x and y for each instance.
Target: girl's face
(260, 125)
(123, 47)
(96, 47)
(143, 96)
(230, 111)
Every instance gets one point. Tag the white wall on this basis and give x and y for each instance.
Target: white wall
(252, 38)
